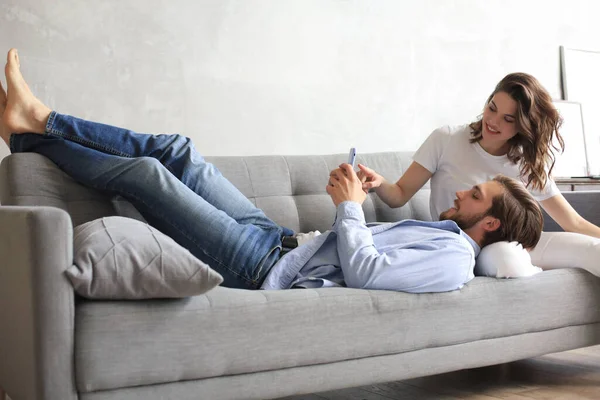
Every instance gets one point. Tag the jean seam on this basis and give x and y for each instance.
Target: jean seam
(256, 279)
(50, 121)
(50, 130)
(88, 143)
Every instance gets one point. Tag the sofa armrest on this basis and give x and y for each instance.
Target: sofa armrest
(586, 203)
(36, 304)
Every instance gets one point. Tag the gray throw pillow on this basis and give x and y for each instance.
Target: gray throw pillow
(121, 258)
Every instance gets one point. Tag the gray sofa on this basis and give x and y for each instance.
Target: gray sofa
(236, 344)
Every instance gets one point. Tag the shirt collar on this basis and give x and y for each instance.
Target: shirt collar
(462, 233)
(476, 247)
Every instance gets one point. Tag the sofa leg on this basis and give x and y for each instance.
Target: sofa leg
(2, 394)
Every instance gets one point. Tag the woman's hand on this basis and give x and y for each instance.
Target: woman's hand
(369, 178)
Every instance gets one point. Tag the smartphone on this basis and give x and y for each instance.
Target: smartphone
(352, 157)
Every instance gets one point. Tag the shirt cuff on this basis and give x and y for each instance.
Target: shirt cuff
(349, 210)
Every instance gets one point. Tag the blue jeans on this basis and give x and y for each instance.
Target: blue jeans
(172, 186)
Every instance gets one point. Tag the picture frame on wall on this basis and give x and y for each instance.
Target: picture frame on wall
(581, 83)
(573, 161)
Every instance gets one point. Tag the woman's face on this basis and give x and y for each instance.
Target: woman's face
(499, 118)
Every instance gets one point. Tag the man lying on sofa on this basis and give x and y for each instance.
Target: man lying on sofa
(185, 197)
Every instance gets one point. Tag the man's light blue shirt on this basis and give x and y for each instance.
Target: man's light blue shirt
(408, 256)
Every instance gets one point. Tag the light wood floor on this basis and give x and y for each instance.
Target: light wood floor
(560, 376)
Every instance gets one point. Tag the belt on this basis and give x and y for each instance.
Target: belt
(288, 243)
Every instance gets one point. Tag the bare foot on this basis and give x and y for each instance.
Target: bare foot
(24, 112)
(4, 132)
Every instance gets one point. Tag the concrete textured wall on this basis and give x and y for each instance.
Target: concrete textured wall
(288, 76)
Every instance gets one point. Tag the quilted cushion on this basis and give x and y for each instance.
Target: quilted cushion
(122, 258)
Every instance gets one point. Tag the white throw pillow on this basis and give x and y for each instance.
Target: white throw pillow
(567, 250)
(505, 260)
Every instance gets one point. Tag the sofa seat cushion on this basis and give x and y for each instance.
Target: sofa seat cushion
(228, 331)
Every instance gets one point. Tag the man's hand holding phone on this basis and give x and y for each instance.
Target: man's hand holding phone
(344, 184)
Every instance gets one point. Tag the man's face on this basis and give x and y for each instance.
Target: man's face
(472, 205)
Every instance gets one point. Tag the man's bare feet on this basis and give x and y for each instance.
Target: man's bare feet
(4, 133)
(23, 111)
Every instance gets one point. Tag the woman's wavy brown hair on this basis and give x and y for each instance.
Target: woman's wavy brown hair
(538, 123)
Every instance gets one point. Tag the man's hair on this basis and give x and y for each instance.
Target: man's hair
(520, 215)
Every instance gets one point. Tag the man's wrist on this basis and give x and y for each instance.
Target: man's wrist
(350, 209)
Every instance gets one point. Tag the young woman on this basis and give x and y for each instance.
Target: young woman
(516, 136)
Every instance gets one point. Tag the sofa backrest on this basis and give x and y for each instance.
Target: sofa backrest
(290, 189)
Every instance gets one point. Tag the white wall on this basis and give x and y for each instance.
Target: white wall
(288, 76)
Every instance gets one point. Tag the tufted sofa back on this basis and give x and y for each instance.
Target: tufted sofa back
(290, 189)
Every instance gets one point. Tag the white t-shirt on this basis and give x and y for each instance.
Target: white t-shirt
(458, 165)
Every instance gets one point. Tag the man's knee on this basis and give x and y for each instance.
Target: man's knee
(147, 162)
(182, 143)
(140, 167)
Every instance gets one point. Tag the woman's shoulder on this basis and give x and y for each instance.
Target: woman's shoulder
(450, 132)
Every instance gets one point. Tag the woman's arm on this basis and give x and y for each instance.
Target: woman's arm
(559, 209)
(395, 194)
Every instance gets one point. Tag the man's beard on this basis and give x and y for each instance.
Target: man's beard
(462, 221)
